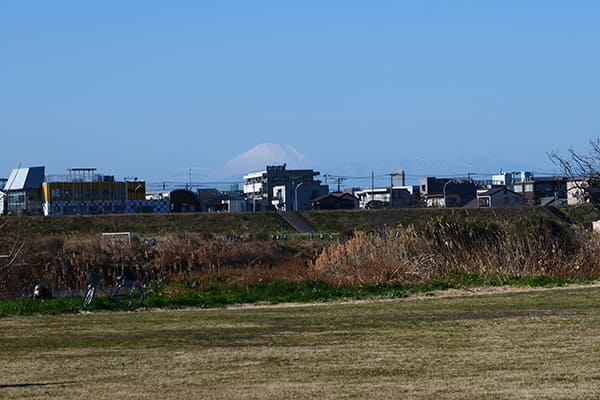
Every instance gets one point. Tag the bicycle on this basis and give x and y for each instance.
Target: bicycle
(127, 293)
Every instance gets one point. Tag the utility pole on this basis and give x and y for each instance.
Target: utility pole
(372, 185)
(339, 183)
(392, 176)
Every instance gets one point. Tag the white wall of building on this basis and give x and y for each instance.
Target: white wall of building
(2, 201)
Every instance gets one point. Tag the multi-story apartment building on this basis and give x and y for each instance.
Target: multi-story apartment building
(284, 189)
(542, 190)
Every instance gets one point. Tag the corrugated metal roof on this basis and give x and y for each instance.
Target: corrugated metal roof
(25, 178)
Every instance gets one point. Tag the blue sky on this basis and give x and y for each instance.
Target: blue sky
(154, 88)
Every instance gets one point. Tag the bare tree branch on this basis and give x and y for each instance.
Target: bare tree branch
(15, 243)
(582, 169)
(12, 257)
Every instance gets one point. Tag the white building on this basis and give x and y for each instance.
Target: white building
(283, 189)
(24, 190)
(396, 196)
(583, 190)
(2, 203)
(503, 179)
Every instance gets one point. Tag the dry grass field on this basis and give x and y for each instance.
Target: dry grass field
(542, 344)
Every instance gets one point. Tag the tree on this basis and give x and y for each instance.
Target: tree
(11, 247)
(583, 171)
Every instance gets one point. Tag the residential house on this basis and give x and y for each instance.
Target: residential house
(235, 201)
(401, 196)
(184, 201)
(445, 192)
(211, 199)
(405, 196)
(583, 190)
(336, 201)
(497, 197)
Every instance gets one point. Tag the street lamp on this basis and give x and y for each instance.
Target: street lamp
(296, 195)
(446, 184)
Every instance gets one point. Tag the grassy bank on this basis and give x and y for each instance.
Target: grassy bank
(369, 220)
(540, 345)
(259, 224)
(148, 225)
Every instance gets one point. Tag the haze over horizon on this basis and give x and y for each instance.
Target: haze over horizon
(171, 92)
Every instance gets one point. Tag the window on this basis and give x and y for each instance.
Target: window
(56, 193)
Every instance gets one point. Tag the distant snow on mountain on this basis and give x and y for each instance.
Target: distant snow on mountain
(263, 154)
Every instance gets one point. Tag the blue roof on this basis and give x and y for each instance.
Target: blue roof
(25, 178)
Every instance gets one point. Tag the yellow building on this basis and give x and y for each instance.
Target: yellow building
(93, 191)
(86, 192)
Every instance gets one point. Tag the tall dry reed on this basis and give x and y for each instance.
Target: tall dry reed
(62, 263)
(529, 246)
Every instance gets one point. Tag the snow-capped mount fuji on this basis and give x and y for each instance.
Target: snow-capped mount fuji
(263, 154)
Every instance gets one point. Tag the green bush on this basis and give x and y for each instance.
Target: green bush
(277, 292)
(537, 229)
(458, 234)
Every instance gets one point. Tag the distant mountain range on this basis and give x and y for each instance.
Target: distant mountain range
(263, 154)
